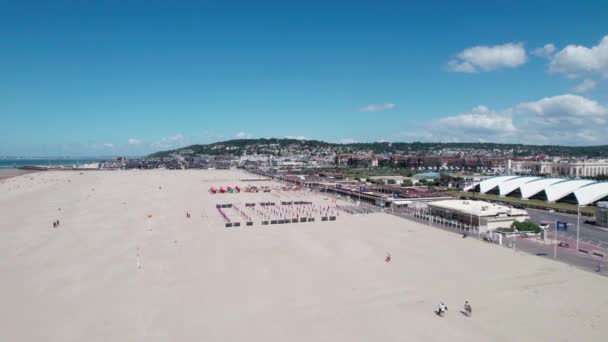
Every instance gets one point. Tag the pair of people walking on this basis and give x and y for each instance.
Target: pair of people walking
(443, 309)
(56, 224)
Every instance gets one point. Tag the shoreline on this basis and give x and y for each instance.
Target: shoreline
(6, 173)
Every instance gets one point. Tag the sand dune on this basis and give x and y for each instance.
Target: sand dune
(108, 275)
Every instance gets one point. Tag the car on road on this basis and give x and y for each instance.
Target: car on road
(564, 244)
(544, 225)
(551, 210)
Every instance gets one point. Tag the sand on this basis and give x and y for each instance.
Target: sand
(105, 275)
(9, 173)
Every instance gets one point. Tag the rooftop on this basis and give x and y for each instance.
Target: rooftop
(390, 177)
(478, 208)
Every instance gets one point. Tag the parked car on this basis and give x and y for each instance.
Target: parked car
(551, 210)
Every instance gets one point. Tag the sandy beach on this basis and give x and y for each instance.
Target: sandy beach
(9, 173)
(110, 273)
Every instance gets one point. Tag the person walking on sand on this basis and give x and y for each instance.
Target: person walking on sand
(442, 309)
(468, 310)
(388, 257)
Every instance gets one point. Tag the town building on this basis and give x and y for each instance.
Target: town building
(398, 180)
(488, 216)
(564, 168)
(567, 190)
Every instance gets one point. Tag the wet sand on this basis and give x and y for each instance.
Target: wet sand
(111, 274)
(9, 173)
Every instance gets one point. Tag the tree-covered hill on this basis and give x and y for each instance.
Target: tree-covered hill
(274, 146)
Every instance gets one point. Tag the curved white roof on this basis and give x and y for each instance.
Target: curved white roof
(511, 185)
(491, 183)
(532, 188)
(562, 189)
(591, 193)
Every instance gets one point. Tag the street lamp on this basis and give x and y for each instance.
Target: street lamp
(578, 222)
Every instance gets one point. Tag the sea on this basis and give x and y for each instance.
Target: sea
(14, 163)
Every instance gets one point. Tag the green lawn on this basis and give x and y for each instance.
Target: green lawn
(531, 203)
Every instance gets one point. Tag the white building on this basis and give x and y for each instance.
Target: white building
(576, 191)
(488, 216)
(566, 168)
(396, 179)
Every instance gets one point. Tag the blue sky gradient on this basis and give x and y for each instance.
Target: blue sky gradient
(131, 77)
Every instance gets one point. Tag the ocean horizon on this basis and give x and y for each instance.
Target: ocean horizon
(20, 162)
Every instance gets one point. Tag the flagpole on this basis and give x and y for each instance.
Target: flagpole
(555, 242)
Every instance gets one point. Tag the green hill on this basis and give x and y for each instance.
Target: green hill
(271, 146)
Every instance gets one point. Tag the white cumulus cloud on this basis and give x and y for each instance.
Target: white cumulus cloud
(243, 135)
(578, 59)
(377, 107)
(568, 107)
(489, 58)
(133, 141)
(585, 86)
(481, 120)
(296, 137)
(546, 51)
(563, 119)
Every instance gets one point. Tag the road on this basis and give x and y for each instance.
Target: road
(568, 255)
(589, 234)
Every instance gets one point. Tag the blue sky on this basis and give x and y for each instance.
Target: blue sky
(131, 77)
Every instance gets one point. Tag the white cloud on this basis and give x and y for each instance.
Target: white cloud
(460, 66)
(297, 137)
(564, 119)
(479, 124)
(572, 108)
(480, 120)
(377, 107)
(585, 86)
(108, 145)
(170, 142)
(578, 59)
(546, 51)
(347, 141)
(133, 141)
(488, 58)
(243, 135)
